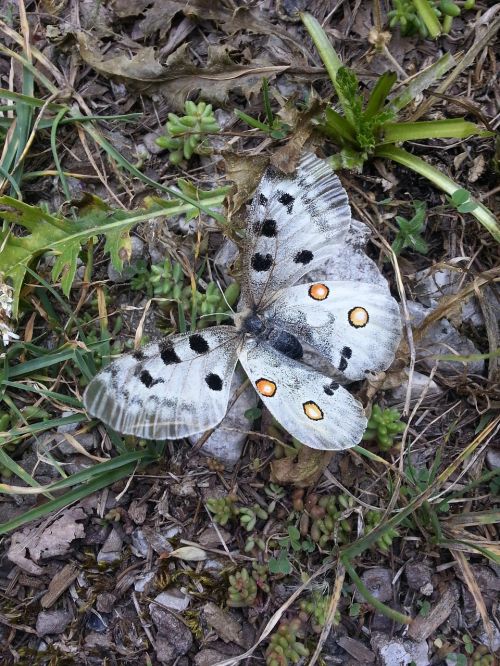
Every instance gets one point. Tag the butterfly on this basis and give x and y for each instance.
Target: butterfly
(180, 385)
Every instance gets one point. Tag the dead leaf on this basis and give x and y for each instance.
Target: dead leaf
(56, 538)
(478, 168)
(159, 14)
(286, 158)
(245, 172)
(189, 553)
(224, 624)
(179, 77)
(303, 472)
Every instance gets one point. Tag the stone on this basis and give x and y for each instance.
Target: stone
(419, 577)
(393, 651)
(52, 622)
(174, 639)
(208, 657)
(419, 384)
(442, 338)
(228, 439)
(174, 599)
(105, 602)
(111, 550)
(85, 440)
(379, 582)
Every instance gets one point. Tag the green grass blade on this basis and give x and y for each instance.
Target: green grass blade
(401, 156)
(452, 128)
(68, 498)
(379, 93)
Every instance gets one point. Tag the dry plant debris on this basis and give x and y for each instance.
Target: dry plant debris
(242, 543)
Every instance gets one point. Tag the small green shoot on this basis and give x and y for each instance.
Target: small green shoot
(428, 19)
(185, 135)
(409, 234)
(362, 130)
(274, 126)
(383, 427)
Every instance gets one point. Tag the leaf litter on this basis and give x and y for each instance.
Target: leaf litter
(139, 539)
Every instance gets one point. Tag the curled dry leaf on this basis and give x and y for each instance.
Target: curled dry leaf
(302, 472)
(189, 553)
(178, 77)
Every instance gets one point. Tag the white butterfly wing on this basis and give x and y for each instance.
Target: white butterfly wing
(293, 222)
(169, 389)
(310, 406)
(356, 326)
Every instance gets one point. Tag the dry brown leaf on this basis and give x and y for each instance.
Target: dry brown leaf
(302, 472)
(285, 158)
(473, 587)
(178, 78)
(158, 17)
(245, 172)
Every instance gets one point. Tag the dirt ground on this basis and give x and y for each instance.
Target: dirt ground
(240, 546)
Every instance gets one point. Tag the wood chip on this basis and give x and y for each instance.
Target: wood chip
(357, 650)
(59, 584)
(423, 627)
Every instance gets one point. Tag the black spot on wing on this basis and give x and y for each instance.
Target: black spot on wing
(146, 378)
(303, 257)
(261, 263)
(344, 355)
(139, 355)
(330, 389)
(287, 200)
(268, 229)
(214, 382)
(262, 199)
(168, 353)
(198, 343)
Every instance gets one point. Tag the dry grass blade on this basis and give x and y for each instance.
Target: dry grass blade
(473, 587)
(332, 609)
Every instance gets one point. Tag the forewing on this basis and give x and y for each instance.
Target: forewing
(169, 389)
(293, 222)
(310, 406)
(354, 325)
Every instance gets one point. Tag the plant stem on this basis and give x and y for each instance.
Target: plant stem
(373, 601)
(481, 213)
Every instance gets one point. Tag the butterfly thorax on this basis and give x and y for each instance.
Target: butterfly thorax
(262, 330)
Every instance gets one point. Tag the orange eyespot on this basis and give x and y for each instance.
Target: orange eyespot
(266, 387)
(318, 291)
(358, 317)
(312, 411)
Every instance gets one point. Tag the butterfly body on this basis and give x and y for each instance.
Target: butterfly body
(181, 385)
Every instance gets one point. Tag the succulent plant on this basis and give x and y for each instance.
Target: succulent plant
(254, 543)
(184, 135)
(242, 590)
(249, 515)
(284, 648)
(383, 427)
(316, 609)
(328, 527)
(482, 657)
(372, 519)
(222, 508)
(259, 574)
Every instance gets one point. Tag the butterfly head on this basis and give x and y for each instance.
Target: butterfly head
(253, 324)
